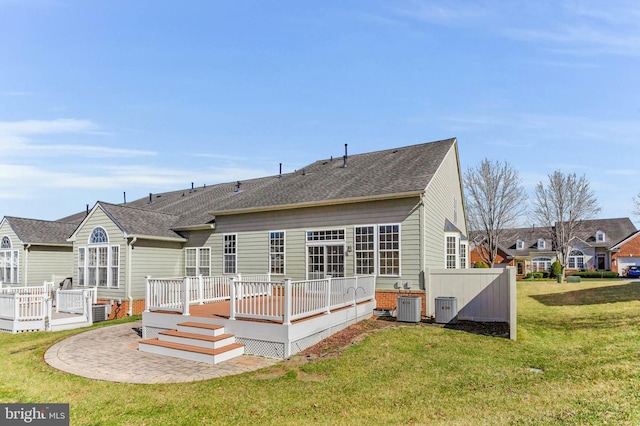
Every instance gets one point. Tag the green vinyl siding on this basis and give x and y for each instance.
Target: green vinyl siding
(156, 259)
(253, 234)
(442, 194)
(48, 262)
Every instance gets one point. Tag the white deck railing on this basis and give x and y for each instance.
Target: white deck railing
(256, 297)
(289, 301)
(178, 293)
(74, 301)
(45, 288)
(22, 307)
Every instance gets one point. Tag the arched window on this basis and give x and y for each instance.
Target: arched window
(98, 262)
(6, 243)
(540, 264)
(99, 236)
(576, 260)
(9, 264)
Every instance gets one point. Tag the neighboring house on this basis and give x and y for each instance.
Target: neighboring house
(531, 249)
(626, 253)
(33, 251)
(391, 213)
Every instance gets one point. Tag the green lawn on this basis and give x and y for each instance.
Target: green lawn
(576, 361)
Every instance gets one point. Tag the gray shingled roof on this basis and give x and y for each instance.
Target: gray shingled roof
(42, 232)
(134, 221)
(615, 230)
(375, 174)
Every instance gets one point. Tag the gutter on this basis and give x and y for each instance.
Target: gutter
(154, 238)
(128, 281)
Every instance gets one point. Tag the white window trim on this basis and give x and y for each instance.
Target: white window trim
(456, 237)
(600, 237)
(198, 266)
(84, 268)
(573, 259)
(284, 252)
(235, 254)
(325, 242)
(519, 245)
(375, 248)
(377, 229)
(464, 250)
(541, 244)
(13, 257)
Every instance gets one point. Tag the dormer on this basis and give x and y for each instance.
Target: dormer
(540, 243)
(519, 245)
(600, 237)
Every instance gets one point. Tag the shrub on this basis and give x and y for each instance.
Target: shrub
(556, 269)
(597, 274)
(480, 264)
(538, 275)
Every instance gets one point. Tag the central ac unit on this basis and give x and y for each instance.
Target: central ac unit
(409, 308)
(100, 312)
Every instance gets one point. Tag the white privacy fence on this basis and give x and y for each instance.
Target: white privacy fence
(256, 297)
(482, 294)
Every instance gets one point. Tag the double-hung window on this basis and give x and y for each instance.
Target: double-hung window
(377, 249)
(576, 259)
(197, 261)
(389, 250)
(451, 255)
(99, 262)
(365, 250)
(8, 262)
(276, 252)
(230, 254)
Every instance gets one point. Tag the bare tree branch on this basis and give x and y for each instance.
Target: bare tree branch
(561, 206)
(495, 201)
(636, 204)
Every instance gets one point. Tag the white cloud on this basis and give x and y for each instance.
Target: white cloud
(17, 140)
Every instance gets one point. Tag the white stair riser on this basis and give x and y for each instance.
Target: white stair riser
(201, 331)
(192, 356)
(197, 342)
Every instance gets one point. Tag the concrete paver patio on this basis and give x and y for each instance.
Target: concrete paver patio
(111, 353)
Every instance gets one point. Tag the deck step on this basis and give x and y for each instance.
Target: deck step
(201, 328)
(190, 352)
(194, 339)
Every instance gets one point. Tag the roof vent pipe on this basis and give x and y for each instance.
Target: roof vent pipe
(280, 175)
(344, 164)
(191, 186)
(87, 209)
(238, 186)
(124, 194)
(150, 198)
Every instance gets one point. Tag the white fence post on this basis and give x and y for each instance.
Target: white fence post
(185, 298)
(200, 290)
(287, 302)
(513, 331)
(57, 300)
(147, 297)
(88, 311)
(232, 299)
(47, 314)
(16, 306)
(327, 300)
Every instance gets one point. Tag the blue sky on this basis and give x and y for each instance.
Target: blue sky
(98, 98)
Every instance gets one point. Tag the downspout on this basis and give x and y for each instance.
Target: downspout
(129, 255)
(26, 264)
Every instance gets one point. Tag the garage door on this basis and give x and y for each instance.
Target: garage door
(625, 262)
